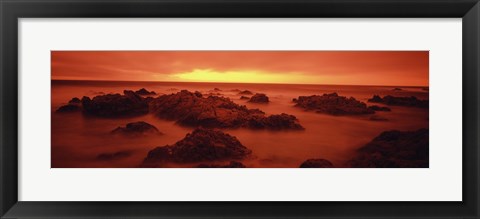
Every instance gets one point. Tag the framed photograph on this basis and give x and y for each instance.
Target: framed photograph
(255, 109)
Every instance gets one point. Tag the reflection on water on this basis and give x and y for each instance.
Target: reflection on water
(77, 141)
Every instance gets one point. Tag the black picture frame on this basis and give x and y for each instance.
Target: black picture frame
(12, 10)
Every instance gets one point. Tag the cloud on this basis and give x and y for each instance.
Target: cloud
(338, 67)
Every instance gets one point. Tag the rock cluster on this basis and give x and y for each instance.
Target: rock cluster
(333, 104)
(400, 101)
(192, 109)
(259, 98)
(115, 105)
(136, 129)
(144, 92)
(199, 146)
(244, 98)
(316, 163)
(404, 149)
(232, 164)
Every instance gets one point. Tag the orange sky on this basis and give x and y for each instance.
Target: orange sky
(406, 68)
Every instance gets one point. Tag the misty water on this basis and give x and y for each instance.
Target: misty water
(77, 140)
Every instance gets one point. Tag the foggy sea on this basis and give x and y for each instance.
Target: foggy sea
(78, 140)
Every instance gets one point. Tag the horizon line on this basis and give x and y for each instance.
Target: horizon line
(214, 82)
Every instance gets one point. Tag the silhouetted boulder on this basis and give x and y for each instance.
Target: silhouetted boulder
(245, 92)
(244, 98)
(75, 100)
(114, 156)
(136, 129)
(232, 164)
(115, 105)
(333, 104)
(74, 105)
(397, 89)
(400, 101)
(391, 149)
(259, 98)
(199, 146)
(216, 89)
(316, 163)
(379, 108)
(144, 92)
(375, 99)
(68, 108)
(216, 112)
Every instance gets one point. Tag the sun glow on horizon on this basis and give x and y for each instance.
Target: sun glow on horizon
(248, 76)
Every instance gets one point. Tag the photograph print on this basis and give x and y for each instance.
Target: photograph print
(239, 109)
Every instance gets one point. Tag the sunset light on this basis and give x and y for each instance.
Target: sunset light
(209, 75)
(240, 109)
(393, 68)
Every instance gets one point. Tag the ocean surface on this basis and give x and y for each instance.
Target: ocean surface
(78, 140)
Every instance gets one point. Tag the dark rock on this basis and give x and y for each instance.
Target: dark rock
(144, 91)
(275, 122)
(245, 92)
(378, 118)
(216, 112)
(199, 146)
(198, 94)
(394, 149)
(259, 98)
(74, 105)
(114, 156)
(244, 98)
(115, 105)
(75, 100)
(375, 99)
(400, 101)
(397, 89)
(68, 108)
(136, 129)
(216, 89)
(232, 164)
(333, 104)
(148, 99)
(316, 163)
(379, 108)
